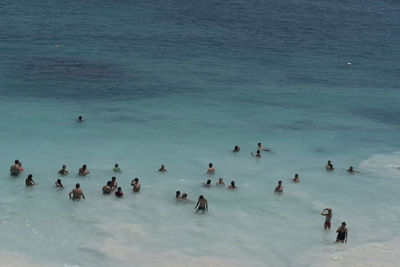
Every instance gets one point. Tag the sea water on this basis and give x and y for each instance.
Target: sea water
(181, 83)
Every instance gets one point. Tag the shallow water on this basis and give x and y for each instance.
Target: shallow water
(176, 83)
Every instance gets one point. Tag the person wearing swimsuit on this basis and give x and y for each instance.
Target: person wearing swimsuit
(342, 233)
(328, 217)
(201, 204)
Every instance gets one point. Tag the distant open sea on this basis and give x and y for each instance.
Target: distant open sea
(181, 83)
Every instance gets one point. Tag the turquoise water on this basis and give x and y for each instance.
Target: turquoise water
(180, 83)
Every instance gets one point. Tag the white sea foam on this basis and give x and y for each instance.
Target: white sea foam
(374, 254)
(383, 165)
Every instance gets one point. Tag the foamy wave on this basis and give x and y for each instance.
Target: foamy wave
(383, 165)
(376, 254)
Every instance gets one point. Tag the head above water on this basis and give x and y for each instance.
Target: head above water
(58, 181)
(350, 168)
(220, 180)
(178, 193)
(280, 182)
(84, 167)
(208, 181)
(64, 167)
(184, 195)
(296, 175)
(201, 197)
(30, 177)
(80, 118)
(116, 165)
(210, 165)
(259, 144)
(109, 183)
(119, 188)
(343, 223)
(77, 185)
(232, 183)
(16, 161)
(113, 178)
(236, 148)
(136, 179)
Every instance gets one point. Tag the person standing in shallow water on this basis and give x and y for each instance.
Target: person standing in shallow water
(76, 193)
(63, 170)
(220, 182)
(119, 193)
(29, 181)
(208, 184)
(162, 169)
(279, 188)
(328, 217)
(329, 166)
(14, 169)
(342, 233)
(116, 168)
(83, 171)
(236, 149)
(211, 170)
(296, 178)
(136, 185)
(202, 204)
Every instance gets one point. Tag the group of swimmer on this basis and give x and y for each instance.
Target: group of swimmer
(201, 205)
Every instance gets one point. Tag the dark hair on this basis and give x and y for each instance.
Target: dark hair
(259, 144)
(178, 193)
(233, 183)
(77, 185)
(30, 176)
(184, 195)
(113, 178)
(343, 223)
(84, 166)
(80, 117)
(201, 197)
(210, 165)
(136, 179)
(59, 181)
(16, 161)
(116, 164)
(208, 181)
(236, 147)
(279, 182)
(109, 183)
(119, 188)
(64, 166)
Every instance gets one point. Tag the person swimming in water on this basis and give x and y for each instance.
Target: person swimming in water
(116, 168)
(257, 155)
(136, 185)
(29, 181)
(329, 166)
(211, 170)
(83, 171)
(14, 169)
(208, 184)
(63, 170)
(279, 188)
(261, 148)
(162, 169)
(342, 233)
(107, 188)
(119, 193)
(328, 217)
(232, 186)
(201, 204)
(184, 198)
(352, 170)
(236, 149)
(59, 184)
(76, 193)
(178, 195)
(220, 182)
(296, 178)
(80, 119)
